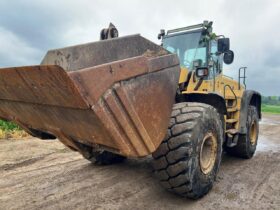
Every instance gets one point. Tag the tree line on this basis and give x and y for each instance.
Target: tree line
(271, 100)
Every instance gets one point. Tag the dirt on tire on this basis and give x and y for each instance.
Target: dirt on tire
(36, 174)
(176, 161)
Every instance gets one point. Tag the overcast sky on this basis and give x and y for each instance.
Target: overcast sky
(28, 28)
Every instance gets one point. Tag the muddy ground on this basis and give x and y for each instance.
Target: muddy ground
(36, 174)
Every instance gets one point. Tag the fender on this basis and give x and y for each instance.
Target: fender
(249, 97)
(212, 99)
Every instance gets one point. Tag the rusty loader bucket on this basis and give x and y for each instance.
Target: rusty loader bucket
(114, 94)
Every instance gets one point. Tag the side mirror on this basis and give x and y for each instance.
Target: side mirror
(228, 57)
(223, 45)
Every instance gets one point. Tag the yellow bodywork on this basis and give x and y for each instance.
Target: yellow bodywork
(221, 85)
(183, 74)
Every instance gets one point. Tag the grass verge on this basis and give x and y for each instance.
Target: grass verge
(271, 109)
(11, 130)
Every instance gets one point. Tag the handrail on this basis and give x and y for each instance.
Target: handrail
(242, 77)
(233, 94)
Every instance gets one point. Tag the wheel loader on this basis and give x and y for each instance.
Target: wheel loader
(127, 97)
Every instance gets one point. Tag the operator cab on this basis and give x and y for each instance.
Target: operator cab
(198, 49)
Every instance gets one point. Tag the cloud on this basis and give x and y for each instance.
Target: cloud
(32, 27)
(14, 51)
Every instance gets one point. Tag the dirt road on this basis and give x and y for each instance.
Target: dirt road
(37, 174)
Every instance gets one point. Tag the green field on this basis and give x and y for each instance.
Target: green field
(271, 109)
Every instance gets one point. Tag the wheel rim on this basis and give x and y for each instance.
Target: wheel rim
(253, 133)
(208, 153)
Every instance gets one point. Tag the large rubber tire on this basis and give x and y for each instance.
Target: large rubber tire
(246, 146)
(177, 160)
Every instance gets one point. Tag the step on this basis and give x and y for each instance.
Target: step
(232, 139)
(230, 109)
(231, 120)
(232, 131)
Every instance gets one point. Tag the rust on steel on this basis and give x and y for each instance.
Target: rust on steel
(39, 85)
(110, 95)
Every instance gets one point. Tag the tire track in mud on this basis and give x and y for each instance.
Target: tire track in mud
(266, 173)
(13, 166)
